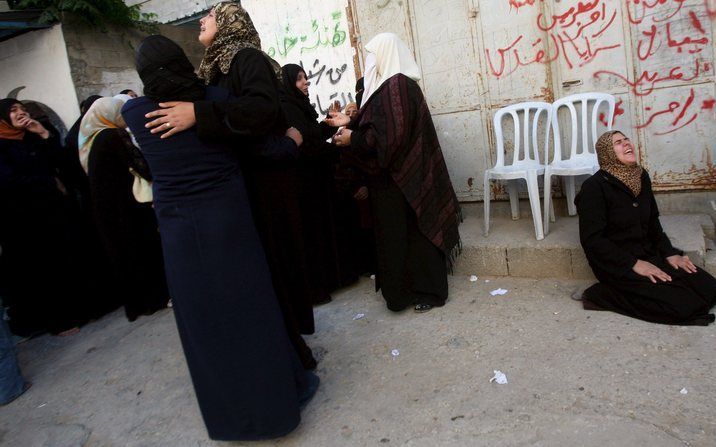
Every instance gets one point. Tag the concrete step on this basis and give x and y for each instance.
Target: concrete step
(512, 250)
(710, 262)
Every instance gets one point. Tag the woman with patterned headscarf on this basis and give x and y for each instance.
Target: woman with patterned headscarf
(249, 382)
(127, 228)
(640, 273)
(234, 61)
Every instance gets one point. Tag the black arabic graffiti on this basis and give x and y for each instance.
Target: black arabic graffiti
(317, 70)
(344, 99)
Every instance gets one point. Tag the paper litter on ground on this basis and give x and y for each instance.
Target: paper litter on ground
(684, 391)
(358, 317)
(499, 377)
(473, 278)
(498, 292)
(395, 353)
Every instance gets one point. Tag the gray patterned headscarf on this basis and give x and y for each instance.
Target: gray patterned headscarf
(235, 32)
(630, 175)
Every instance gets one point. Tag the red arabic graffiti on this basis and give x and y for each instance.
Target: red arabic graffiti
(675, 114)
(573, 36)
(647, 81)
(517, 4)
(674, 31)
(618, 110)
(671, 36)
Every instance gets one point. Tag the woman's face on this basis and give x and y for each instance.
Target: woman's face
(624, 149)
(17, 112)
(302, 83)
(208, 28)
(351, 110)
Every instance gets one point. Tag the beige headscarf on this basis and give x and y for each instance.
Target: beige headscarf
(234, 32)
(387, 56)
(106, 113)
(630, 175)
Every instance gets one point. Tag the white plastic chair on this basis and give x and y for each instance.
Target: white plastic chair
(525, 158)
(578, 162)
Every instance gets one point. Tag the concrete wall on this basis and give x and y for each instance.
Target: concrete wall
(37, 63)
(103, 63)
(476, 56)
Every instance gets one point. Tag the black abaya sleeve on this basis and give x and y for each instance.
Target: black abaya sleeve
(255, 109)
(314, 133)
(656, 233)
(593, 216)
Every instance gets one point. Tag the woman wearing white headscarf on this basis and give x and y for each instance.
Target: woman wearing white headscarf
(127, 228)
(416, 213)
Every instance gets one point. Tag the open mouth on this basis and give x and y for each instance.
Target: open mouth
(628, 151)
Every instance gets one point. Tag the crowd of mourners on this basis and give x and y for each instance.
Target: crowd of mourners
(221, 192)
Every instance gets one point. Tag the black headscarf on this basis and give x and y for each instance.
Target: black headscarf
(87, 103)
(359, 91)
(290, 75)
(5, 105)
(166, 72)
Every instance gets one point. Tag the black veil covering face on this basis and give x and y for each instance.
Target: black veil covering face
(166, 72)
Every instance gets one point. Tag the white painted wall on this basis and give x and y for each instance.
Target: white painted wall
(313, 35)
(38, 61)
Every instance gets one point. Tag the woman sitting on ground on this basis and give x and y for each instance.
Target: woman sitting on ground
(641, 274)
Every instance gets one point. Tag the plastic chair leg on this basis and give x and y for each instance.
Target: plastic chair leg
(514, 199)
(486, 200)
(533, 191)
(570, 192)
(548, 209)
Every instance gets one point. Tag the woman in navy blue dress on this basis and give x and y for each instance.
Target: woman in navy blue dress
(248, 379)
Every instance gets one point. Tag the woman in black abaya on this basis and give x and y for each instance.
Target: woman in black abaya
(39, 265)
(316, 166)
(127, 229)
(640, 273)
(248, 379)
(234, 61)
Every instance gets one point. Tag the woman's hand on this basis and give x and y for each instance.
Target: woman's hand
(34, 126)
(295, 135)
(681, 262)
(361, 194)
(651, 271)
(172, 118)
(338, 119)
(342, 137)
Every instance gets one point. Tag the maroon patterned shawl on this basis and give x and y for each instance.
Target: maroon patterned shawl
(396, 123)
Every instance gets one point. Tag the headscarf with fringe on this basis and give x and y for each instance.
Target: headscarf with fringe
(630, 175)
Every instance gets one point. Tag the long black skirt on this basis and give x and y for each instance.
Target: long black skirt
(686, 300)
(274, 191)
(246, 374)
(411, 270)
(127, 229)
